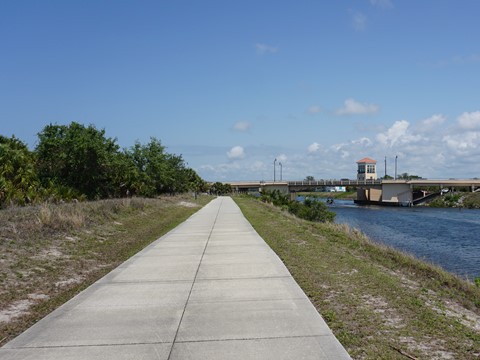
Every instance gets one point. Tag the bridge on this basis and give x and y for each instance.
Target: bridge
(381, 192)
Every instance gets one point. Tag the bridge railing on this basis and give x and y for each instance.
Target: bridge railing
(335, 182)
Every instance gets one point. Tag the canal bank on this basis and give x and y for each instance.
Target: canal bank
(447, 237)
(376, 300)
(444, 236)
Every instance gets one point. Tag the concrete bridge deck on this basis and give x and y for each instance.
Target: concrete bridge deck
(209, 289)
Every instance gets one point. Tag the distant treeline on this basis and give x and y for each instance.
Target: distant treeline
(80, 162)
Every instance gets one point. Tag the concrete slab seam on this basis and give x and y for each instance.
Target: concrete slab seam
(177, 342)
(193, 282)
(87, 345)
(256, 338)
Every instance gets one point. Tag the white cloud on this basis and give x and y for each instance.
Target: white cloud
(366, 142)
(464, 144)
(382, 3)
(314, 109)
(359, 21)
(314, 147)
(342, 149)
(352, 107)
(265, 49)
(345, 154)
(443, 149)
(257, 165)
(432, 123)
(236, 152)
(469, 121)
(397, 134)
(242, 126)
(282, 158)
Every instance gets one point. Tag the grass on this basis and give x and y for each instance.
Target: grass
(348, 195)
(461, 200)
(472, 200)
(379, 302)
(49, 253)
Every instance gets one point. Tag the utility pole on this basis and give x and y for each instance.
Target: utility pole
(281, 170)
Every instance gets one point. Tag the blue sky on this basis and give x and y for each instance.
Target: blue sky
(232, 85)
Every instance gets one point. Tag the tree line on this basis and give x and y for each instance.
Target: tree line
(80, 162)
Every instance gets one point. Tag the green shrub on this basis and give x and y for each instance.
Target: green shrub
(472, 201)
(311, 210)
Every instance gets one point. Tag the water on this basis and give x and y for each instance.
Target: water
(447, 237)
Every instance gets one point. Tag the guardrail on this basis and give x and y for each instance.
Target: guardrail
(334, 183)
(347, 182)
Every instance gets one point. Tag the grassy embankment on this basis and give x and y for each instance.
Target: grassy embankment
(49, 253)
(348, 195)
(380, 303)
(460, 200)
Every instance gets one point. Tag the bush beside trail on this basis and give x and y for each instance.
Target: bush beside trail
(308, 210)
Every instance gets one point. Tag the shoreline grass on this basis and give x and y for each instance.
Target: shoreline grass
(348, 195)
(379, 302)
(49, 253)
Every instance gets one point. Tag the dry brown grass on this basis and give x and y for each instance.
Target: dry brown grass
(50, 252)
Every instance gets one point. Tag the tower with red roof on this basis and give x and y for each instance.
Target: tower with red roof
(367, 169)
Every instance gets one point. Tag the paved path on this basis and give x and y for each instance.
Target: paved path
(209, 289)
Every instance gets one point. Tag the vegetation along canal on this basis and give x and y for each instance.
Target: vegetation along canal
(447, 237)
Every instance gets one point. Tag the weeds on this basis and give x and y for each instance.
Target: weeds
(64, 217)
(472, 200)
(50, 252)
(309, 210)
(379, 302)
(465, 200)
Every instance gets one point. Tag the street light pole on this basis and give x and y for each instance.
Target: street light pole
(385, 167)
(281, 168)
(274, 166)
(396, 157)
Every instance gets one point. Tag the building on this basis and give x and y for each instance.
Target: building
(367, 169)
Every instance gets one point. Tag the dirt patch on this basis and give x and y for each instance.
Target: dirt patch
(188, 204)
(15, 310)
(380, 306)
(464, 316)
(49, 254)
(38, 296)
(431, 347)
(298, 241)
(21, 307)
(68, 282)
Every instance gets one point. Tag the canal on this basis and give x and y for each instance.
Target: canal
(447, 237)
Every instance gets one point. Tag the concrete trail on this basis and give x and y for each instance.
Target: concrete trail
(209, 289)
